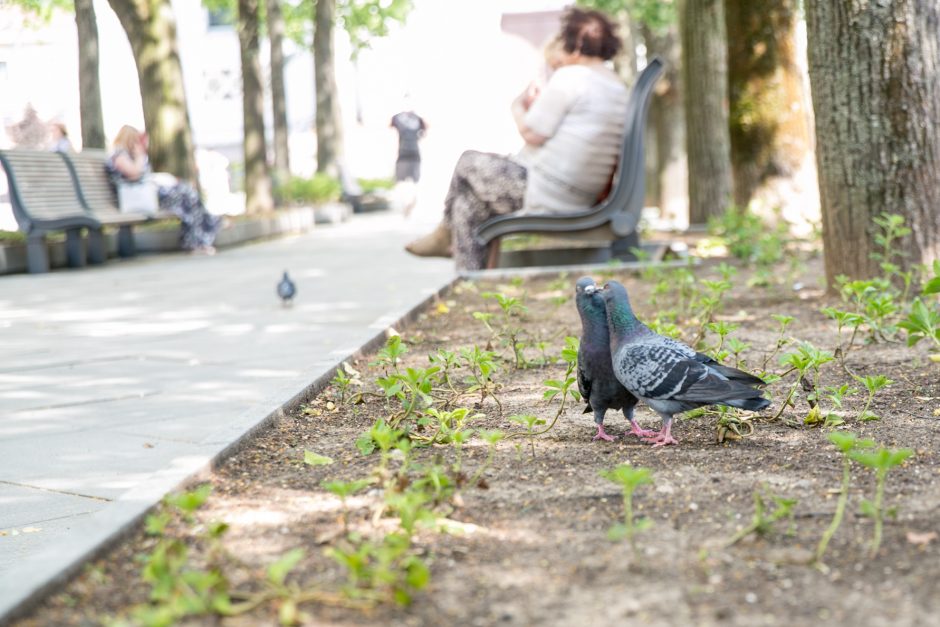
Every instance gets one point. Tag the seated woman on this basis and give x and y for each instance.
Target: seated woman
(129, 163)
(573, 130)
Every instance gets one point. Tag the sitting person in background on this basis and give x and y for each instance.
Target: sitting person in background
(59, 136)
(129, 163)
(573, 129)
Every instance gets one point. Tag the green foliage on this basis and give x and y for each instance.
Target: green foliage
(365, 20)
(922, 322)
(481, 365)
(530, 422)
(506, 328)
(373, 185)
(846, 443)
(872, 383)
(748, 237)
(629, 479)
(390, 354)
(764, 519)
(881, 461)
(319, 188)
(657, 15)
(345, 376)
(313, 459)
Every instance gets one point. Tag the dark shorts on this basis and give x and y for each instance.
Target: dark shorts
(408, 169)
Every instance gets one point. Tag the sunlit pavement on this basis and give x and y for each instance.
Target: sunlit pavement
(119, 381)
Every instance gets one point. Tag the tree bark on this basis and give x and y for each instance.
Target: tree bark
(151, 29)
(666, 171)
(768, 123)
(329, 130)
(875, 75)
(704, 74)
(258, 196)
(278, 93)
(89, 86)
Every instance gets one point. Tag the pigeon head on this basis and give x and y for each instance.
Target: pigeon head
(588, 298)
(619, 313)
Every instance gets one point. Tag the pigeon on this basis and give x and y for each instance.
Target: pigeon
(286, 290)
(599, 388)
(668, 375)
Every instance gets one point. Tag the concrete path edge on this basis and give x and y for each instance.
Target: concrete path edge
(26, 587)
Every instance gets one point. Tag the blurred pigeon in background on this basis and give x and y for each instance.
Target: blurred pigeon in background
(668, 375)
(286, 290)
(596, 380)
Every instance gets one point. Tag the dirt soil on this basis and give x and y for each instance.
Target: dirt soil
(534, 547)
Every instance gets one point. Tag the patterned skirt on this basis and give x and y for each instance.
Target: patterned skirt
(198, 226)
(483, 185)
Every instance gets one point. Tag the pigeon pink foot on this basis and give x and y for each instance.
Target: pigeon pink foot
(640, 432)
(602, 435)
(663, 438)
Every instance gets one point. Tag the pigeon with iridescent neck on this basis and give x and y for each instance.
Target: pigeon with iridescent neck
(668, 375)
(597, 383)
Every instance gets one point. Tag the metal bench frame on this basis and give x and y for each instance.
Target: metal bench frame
(33, 195)
(616, 217)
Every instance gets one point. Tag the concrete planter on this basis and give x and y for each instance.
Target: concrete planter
(159, 240)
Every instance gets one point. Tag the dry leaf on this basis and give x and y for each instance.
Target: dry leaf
(921, 538)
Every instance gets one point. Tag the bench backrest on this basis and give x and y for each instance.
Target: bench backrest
(92, 180)
(620, 210)
(42, 191)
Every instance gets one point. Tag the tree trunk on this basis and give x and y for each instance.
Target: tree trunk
(89, 86)
(704, 74)
(257, 176)
(768, 124)
(666, 171)
(875, 75)
(329, 131)
(151, 29)
(278, 94)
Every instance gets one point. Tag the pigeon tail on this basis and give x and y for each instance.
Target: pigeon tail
(751, 404)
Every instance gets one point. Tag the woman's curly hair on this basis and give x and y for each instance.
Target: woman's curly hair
(590, 33)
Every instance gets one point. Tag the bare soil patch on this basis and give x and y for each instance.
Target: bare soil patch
(533, 549)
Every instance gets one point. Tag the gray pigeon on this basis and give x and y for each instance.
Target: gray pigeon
(286, 290)
(596, 381)
(668, 375)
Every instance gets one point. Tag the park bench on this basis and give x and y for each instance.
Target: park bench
(98, 197)
(613, 220)
(45, 201)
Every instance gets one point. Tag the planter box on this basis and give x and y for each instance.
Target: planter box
(158, 240)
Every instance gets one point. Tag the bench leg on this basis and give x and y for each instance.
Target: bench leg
(97, 249)
(126, 245)
(492, 254)
(74, 248)
(621, 248)
(37, 255)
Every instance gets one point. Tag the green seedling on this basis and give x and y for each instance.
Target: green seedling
(446, 363)
(481, 366)
(379, 571)
(881, 460)
(763, 522)
(492, 438)
(390, 355)
(345, 489)
(872, 384)
(413, 388)
(806, 360)
(846, 443)
(629, 479)
(188, 502)
(447, 423)
(891, 229)
(844, 319)
(436, 483)
(782, 339)
(508, 331)
(932, 286)
(345, 376)
(922, 323)
(722, 329)
(530, 422)
(381, 436)
(736, 347)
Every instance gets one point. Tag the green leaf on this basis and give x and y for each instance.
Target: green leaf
(315, 459)
(618, 532)
(418, 574)
(868, 509)
(278, 571)
(365, 444)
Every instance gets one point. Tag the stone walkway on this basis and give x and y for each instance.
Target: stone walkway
(118, 382)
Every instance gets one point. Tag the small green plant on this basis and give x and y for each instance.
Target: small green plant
(345, 489)
(782, 339)
(873, 384)
(390, 355)
(806, 360)
(345, 376)
(629, 479)
(315, 459)
(846, 443)
(481, 366)
(383, 570)
(530, 422)
(413, 388)
(763, 522)
(509, 330)
(319, 188)
(922, 323)
(881, 461)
